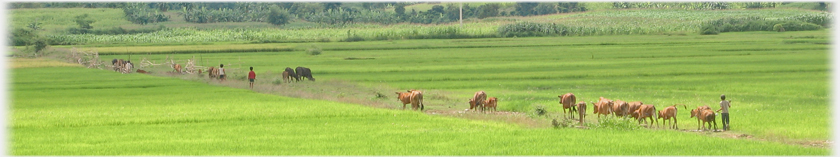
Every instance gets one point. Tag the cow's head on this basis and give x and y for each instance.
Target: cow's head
(693, 113)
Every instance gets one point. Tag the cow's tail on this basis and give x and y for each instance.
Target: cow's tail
(421, 105)
(684, 107)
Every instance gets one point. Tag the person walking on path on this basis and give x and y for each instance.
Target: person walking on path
(251, 77)
(222, 72)
(724, 106)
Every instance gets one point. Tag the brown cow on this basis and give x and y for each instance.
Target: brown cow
(478, 100)
(568, 102)
(633, 106)
(581, 106)
(708, 116)
(645, 111)
(620, 108)
(286, 77)
(668, 113)
(213, 72)
(696, 113)
(490, 103)
(602, 107)
(177, 68)
(118, 64)
(405, 98)
(142, 71)
(416, 99)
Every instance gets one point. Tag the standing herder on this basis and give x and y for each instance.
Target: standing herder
(222, 72)
(251, 77)
(724, 105)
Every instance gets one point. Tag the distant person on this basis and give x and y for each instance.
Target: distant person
(251, 77)
(724, 106)
(222, 72)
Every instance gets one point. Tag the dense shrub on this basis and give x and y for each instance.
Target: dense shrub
(522, 29)
(313, 50)
(823, 19)
(754, 24)
(22, 37)
(141, 14)
(113, 30)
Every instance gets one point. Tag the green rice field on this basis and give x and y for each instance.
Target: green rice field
(78, 111)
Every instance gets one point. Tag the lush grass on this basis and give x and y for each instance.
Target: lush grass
(76, 111)
(55, 20)
(764, 73)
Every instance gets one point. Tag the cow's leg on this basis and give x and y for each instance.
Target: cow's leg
(675, 124)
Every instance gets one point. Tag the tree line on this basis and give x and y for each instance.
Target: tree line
(280, 13)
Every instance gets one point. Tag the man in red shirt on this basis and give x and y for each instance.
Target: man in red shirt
(251, 77)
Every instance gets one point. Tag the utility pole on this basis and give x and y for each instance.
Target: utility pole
(461, 15)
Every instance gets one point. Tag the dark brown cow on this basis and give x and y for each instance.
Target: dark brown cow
(696, 113)
(581, 106)
(490, 103)
(416, 99)
(620, 108)
(292, 73)
(708, 116)
(646, 111)
(568, 101)
(669, 113)
(602, 107)
(405, 98)
(304, 72)
(477, 101)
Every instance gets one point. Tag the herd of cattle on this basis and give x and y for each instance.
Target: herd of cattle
(288, 74)
(603, 106)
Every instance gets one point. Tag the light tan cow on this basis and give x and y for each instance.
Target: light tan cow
(581, 106)
(477, 101)
(633, 106)
(669, 113)
(286, 77)
(491, 103)
(213, 72)
(646, 111)
(177, 68)
(416, 99)
(568, 101)
(405, 98)
(620, 108)
(602, 107)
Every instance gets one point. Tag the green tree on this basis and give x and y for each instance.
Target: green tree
(84, 22)
(34, 25)
(488, 10)
(525, 8)
(278, 16)
(399, 9)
